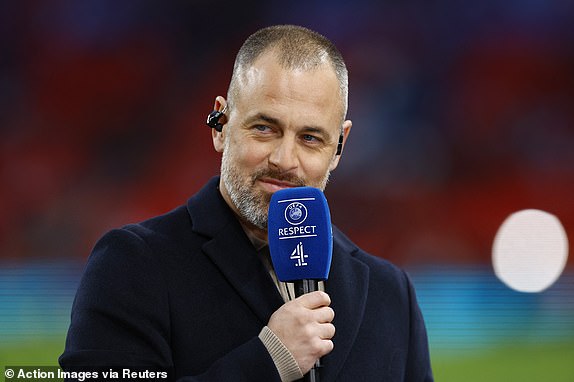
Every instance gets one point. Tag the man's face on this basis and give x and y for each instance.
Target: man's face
(282, 131)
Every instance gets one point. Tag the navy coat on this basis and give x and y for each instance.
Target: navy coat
(186, 292)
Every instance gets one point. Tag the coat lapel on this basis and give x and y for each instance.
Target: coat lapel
(238, 261)
(232, 252)
(348, 287)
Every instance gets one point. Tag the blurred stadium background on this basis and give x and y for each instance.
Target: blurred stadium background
(463, 113)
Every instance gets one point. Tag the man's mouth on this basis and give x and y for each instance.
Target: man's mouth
(272, 184)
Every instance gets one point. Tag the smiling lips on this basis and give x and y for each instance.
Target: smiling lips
(272, 185)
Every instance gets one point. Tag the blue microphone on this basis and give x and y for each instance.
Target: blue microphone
(300, 239)
(300, 234)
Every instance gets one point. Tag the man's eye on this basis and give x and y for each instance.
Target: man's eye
(261, 128)
(310, 138)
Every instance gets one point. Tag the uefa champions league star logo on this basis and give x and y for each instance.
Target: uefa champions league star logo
(295, 213)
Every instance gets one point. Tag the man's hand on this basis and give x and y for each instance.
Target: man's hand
(304, 326)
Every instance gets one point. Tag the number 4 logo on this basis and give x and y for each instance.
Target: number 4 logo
(298, 255)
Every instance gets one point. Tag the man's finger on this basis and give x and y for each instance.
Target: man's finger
(314, 300)
(324, 314)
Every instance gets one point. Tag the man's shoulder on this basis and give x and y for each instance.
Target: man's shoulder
(181, 230)
(378, 266)
(166, 224)
(144, 239)
(183, 220)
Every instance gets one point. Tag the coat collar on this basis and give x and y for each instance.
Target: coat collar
(232, 252)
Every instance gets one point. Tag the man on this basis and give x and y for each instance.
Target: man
(194, 291)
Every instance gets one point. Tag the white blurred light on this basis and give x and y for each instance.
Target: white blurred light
(530, 250)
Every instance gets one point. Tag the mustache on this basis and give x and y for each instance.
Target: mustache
(274, 174)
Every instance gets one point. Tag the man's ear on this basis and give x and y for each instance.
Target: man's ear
(346, 130)
(219, 136)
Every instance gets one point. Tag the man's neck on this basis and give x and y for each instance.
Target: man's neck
(256, 235)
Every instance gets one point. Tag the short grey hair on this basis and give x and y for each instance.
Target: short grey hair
(296, 47)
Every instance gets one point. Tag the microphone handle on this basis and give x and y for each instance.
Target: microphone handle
(305, 286)
(302, 287)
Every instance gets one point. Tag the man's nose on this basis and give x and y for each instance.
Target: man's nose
(284, 155)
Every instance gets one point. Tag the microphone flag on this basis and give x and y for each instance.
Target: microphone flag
(300, 234)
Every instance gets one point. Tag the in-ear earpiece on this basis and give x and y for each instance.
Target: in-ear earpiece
(340, 145)
(213, 120)
(214, 117)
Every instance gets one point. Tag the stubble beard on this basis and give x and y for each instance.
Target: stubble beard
(252, 203)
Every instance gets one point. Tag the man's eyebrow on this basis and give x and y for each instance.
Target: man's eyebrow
(317, 130)
(262, 117)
